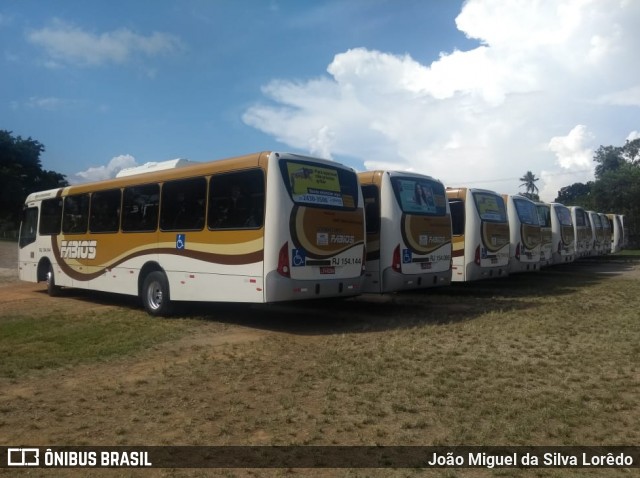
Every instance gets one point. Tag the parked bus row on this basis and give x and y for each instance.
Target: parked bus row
(270, 227)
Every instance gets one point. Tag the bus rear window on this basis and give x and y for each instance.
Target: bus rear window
(580, 218)
(490, 207)
(544, 215)
(564, 215)
(527, 212)
(320, 185)
(420, 196)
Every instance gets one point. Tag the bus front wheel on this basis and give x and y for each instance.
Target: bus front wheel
(155, 294)
(52, 288)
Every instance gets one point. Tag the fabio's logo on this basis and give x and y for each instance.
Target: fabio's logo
(78, 249)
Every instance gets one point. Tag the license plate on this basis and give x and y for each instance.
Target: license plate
(327, 270)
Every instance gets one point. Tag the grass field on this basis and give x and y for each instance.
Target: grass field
(542, 359)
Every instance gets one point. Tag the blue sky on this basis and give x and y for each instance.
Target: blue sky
(474, 93)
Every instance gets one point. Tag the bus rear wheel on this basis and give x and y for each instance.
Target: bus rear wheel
(155, 294)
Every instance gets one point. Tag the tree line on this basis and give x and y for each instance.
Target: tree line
(616, 187)
(21, 173)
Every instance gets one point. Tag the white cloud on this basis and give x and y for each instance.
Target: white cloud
(99, 173)
(49, 103)
(68, 44)
(574, 155)
(633, 135)
(478, 116)
(571, 151)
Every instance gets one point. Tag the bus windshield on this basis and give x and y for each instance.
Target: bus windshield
(490, 207)
(564, 215)
(320, 185)
(420, 196)
(527, 212)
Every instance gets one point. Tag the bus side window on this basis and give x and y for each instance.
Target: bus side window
(50, 217)
(182, 204)
(371, 208)
(236, 200)
(140, 208)
(105, 211)
(29, 226)
(457, 216)
(75, 216)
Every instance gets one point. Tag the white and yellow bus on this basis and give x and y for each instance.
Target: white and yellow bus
(480, 229)
(597, 233)
(546, 234)
(264, 227)
(524, 227)
(582, 231)
(408, 231)
(606, 234)
(616, 232)
(625, 232)
(563, 234)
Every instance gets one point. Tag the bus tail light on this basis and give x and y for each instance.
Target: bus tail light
(559, 247)
(395, 262)
(477, 257)
(364, 260)
(518, 251)
(283, 261)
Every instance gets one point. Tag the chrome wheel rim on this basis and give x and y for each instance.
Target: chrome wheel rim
(154, 295)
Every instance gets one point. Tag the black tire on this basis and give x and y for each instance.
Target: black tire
(52, 288)
(155, 294)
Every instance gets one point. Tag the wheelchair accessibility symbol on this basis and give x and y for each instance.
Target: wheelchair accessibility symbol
(298, 257)
(406, 256)
(180, 240)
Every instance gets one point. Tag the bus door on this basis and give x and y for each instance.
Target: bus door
(28, 254)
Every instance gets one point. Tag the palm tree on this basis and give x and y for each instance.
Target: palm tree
(529, 182)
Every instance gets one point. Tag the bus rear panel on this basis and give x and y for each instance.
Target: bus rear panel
(562, 233)
(315, 231)
(525, 234)
(408, 231)
(480, 234)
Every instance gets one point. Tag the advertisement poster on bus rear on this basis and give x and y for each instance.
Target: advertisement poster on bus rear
(312, 184)
(489, 208)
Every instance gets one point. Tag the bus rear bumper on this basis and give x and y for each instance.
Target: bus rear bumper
(393, 281)
(279, 288)
(475, 272)
(516, 266)
(562, 259)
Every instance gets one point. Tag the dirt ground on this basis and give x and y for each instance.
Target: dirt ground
(130, 400)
